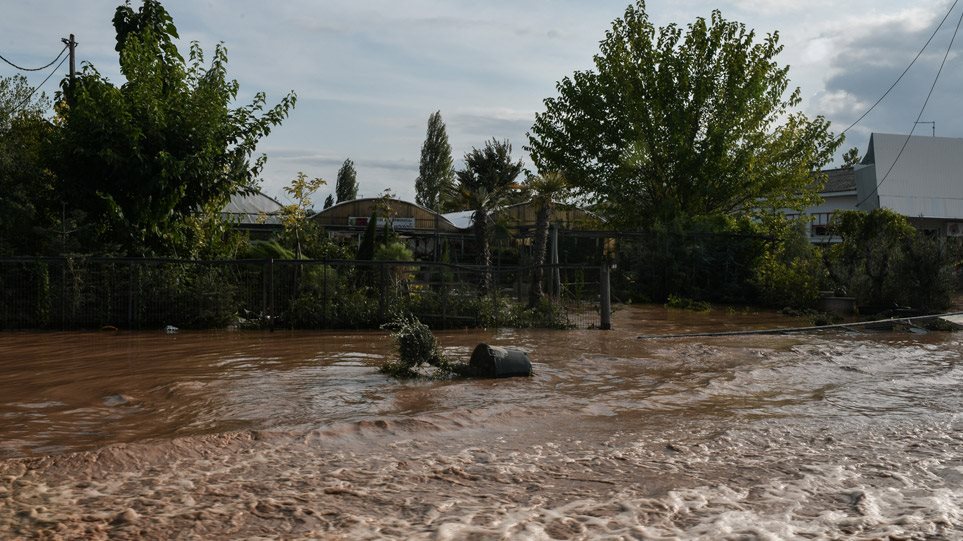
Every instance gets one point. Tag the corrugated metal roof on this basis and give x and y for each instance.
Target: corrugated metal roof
(926, 181)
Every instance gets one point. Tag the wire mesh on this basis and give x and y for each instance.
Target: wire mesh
(88, 293)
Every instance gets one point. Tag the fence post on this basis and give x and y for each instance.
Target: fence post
(444, 297)
(130, 295)
(381, 298)
(556, 272)
(605, 303)
(324, 293)
(271, 291)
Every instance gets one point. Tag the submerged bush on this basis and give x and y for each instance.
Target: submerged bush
(417, 347)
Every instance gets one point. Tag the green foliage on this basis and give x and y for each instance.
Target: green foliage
(436, 172)
(685, 303)
(417, 346)
(790, 271)
(487, 179)
(141, 158)
(545, 189)
(851, 157)
(706, 259)
(883, 261)
(393, 251)
(30, 210)
(295, 216)
(328, 202)
(346, 187)
(368, 245)
(264, 249)
(679, 122)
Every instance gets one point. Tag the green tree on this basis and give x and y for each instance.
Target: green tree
(488, 177)
(346, 187)
(851, 157)
(369, 241)
(545, 189)
(144, 158)
(295, 216)
(867, 260)
(28, 200)
(328, 202)
(436, 173)
(682, 122)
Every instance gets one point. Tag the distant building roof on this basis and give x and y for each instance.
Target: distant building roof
(405, 215)
(525, 214)
(253, 209)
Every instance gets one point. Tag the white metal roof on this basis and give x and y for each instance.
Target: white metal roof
(252, 209)
(462, 219)
(926, 181)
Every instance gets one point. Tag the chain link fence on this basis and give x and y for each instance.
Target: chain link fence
(91, 293)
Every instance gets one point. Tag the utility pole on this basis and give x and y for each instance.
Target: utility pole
(71, 44)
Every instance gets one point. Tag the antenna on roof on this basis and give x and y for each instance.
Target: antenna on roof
(931, 122)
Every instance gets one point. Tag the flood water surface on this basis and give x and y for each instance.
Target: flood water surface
(296, 435)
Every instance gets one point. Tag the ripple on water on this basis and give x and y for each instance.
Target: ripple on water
(760, 438)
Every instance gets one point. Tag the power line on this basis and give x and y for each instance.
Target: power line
(21, 68)
(36, 88)
(919, 116)
(900, 78)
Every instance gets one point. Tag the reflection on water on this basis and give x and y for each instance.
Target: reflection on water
(297, 435)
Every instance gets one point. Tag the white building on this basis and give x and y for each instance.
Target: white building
(919, 177)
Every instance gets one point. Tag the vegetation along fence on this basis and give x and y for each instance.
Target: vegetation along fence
(90, 293)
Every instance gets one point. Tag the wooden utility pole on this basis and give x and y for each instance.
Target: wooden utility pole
(71, 44)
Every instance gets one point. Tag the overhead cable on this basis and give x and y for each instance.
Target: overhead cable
(36, 88)
(900, 78)
(21, 68)
(919, 116)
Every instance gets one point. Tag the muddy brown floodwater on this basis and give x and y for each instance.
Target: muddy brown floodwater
(296, 435)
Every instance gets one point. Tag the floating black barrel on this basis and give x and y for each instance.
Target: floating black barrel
(496, 362)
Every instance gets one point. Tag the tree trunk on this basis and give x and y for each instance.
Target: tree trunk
(539, 245)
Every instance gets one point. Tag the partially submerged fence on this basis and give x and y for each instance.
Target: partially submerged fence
(88, 293)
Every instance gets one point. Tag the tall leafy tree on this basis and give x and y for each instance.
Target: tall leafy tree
(166, 148)
(28, 200)
(346, 187)
(682, 122)
(436, 173)
(488, 177)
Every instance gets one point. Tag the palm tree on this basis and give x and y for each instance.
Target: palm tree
(488, 176)
(545, 189)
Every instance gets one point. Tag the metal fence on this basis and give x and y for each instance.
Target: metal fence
(90, 293)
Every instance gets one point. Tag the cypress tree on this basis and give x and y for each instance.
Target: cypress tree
(367, 248)
(436, 173)
(346, 187)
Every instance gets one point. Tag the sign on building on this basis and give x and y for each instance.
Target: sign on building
(396, 223)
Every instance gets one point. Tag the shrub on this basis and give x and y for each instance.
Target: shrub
(684, 303)
(883, 261)
(417, 346)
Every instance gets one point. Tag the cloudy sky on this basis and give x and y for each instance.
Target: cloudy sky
(368, 73)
